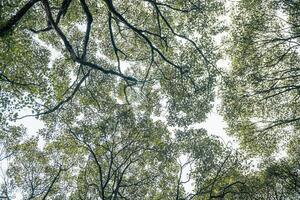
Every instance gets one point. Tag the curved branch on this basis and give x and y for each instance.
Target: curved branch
(17, 17)
(70, 49)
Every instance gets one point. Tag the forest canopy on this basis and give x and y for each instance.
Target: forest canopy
(121, 88)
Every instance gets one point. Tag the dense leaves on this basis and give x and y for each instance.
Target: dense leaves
(121, 87)
(261, 96)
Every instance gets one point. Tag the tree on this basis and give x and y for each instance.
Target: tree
(169, 60)
(118, 155)
(100, 138)
(216, 169)
(163, 53)
(33, 174)
(261, 95)
(119, 86)
(276, 179)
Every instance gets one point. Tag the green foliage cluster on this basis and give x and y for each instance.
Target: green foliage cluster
(261, 94)
(119, 85)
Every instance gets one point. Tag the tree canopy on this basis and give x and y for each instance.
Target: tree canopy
(122, 86)
(261, 99)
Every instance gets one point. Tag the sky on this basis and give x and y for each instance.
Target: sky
(215, 124)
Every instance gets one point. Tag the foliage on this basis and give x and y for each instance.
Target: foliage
(119, 85)
(261, 96)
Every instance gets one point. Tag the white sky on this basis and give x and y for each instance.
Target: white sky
(214, 124)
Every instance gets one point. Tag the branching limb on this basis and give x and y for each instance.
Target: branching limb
(17, 17)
